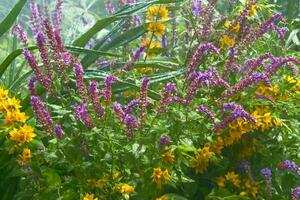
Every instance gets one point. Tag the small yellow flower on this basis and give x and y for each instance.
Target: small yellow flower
(25, 157)
(144, 70)
(160, 177)
(201, 160)
(168, 157)
(3, 94)
(252, 11)
(233, 178)
(221, 181)
(89, 197)
(277, 122)
(14, 117)
(155, 12)
(22, 135)
(243, 193)
(157, 28)
(227, 42)
(163, 197)
(126, 189)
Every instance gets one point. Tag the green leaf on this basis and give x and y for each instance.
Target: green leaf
(52, 178)
(11, 17)
(91, 51)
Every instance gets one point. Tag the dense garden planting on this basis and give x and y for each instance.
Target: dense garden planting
(162, 99)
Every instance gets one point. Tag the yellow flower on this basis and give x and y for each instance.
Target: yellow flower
(102, 182)
(243, 193)
(3, 94)
(163, 197)
(23, 134)
(233, 178)
(252, 11)
(144, 70)
(201, 160)
(14, 117)
(221, 181)
(160, 177)
(12, 104)
(168, 157)
(218, 146)
(234, 29)
(157, 28)
(25, 157)
(157, 11)
(227, 42)
(277, 122)
(126, 189)
(289, 79)
(116, 175)
(89, 197)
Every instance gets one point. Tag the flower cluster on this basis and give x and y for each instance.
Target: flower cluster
(201, 160)
(160, 177)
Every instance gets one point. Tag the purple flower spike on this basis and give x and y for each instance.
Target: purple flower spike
(246, 82)
(107, 90)
(143, 99)
(131, 105)
(166, 97)
(41, 112)
(31, 85)
(236, 112)
(119, 110)
(267, 174)
(58, 15)
(164, 141)
(109, 7)
(131, 125)
(135, 58)
(82, 114)
(296, 193)
(203, 109)
(80, 84)
(202, 49)
(59, 132)
(196, 7)
(94, 96)
(288, 164)
(17, 30)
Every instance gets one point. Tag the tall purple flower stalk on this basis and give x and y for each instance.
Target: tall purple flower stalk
(58, 16)
(236, 112)
(107, 90)
(267, 174)
(94, 96)
(164, 141)
(143, 99)
(134, 58)
(59, 132)
(166, 97)
(31, 85)
(201, 50)
(230, 63)
(82, 114)
(276, 64)
(196, 7)
(17, 30)
(80, 84)
(41, 112)
(296, 193)
(109, 7)
(288, 164)
(206, 111)
(246, 82)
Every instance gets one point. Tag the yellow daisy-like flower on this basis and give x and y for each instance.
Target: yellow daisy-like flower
(25, 157)
(3, 94)
(227, 42)
(163, 197)
(233, 178)
(89, 197)
(12, 104)
(157, 28)
(155, 12)
(14, 117)
(126, 189)
(160, 177)
(234, 29)
(221, 181)
(201, 160)
(168, 157)
(144, 70)
(23, 134)
(252, 11)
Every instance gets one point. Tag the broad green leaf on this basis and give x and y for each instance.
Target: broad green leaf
(11, 17)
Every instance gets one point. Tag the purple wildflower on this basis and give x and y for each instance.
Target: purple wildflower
(278, 63)
(196, 7)
(134, 58)
(218, 80)
(166, 97)
(143, 99)
(267, 174)
(58, 15)
(296, 193)
(230, 65)
(164, 140)
(94, 96)
(109, 7)
(131, 124)
(205, 110)
(82, 114)
(31, 85)
(246, 82)
(17, 30)
(236, 112)
(133, 103)
(107, 90)
(41, 112)
(59, 132)
(119, 110)
(81, 87)
(197, 56)
(287, 164)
